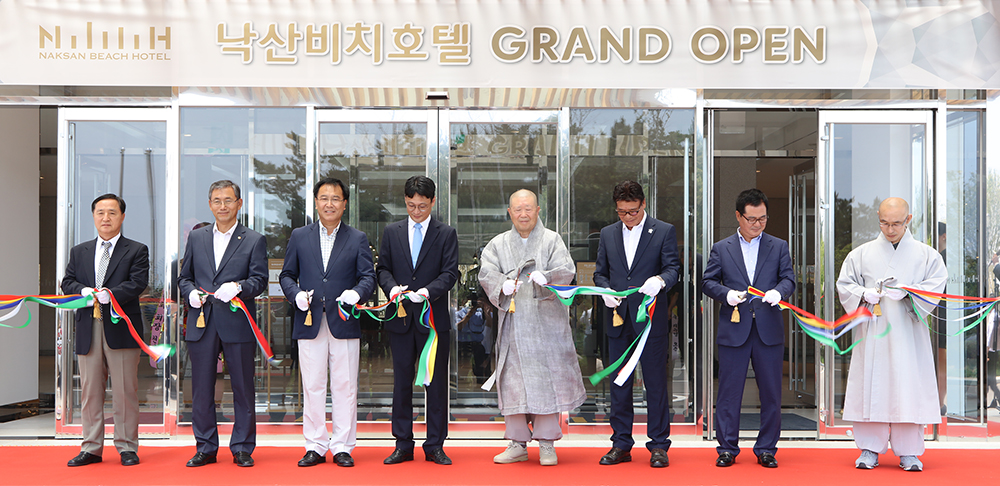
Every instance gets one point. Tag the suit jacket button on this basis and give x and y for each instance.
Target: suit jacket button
(413, 278)
(324, 280)
(628, 278)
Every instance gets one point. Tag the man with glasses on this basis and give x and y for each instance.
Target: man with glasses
(419, 253)
(749, 331)
(328, 264)
(638, 251)
(228, 260)
(891, 386)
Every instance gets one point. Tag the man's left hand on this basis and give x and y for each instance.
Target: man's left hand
(895, 293)
(103, 296)
(772, 297)
(227, 291)
(652, 286)
(349, 297)
(539, 278)
(418, 296)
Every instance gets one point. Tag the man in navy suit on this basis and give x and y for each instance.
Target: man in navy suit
(419, 253)
(229, 260)
(105, 348)
(749, 257)
(328, 263)
(638, 251)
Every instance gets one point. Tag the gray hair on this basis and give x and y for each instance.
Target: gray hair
(224, 184)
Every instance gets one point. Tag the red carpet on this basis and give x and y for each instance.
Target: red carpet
(474, 466)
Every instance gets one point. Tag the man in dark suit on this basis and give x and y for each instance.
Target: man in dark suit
(419, 253)
(105, 348)
(328, 263)
(229, 260)
(638, 251)
(757, 334)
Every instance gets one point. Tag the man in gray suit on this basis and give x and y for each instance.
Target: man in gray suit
(228, 260)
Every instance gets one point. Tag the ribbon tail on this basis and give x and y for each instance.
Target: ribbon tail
(629, 367)
(159, 352)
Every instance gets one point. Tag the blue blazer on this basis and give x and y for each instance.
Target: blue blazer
(127, 277)
(726, 271)
(655, 255)
(436, 270)
(244, 262)
(350, 267)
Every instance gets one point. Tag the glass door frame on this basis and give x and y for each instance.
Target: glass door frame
(66, 239)
(826, 275)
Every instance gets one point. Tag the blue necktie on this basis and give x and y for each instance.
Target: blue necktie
(418, 239)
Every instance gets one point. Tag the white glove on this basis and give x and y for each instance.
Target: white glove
(227, 291)
(539, 278)
(872, 296)
(194, 299)
(418, 296)
(85, 292)
(349, 297)
(302, 301)
(895, 294)
(103, 296)
(610, 301)
(509, 286)
(772, 297)
(735, 297)
(393, 292)
(652, 286)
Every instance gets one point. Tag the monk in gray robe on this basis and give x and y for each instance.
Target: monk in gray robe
(537, 371)
(891, 386)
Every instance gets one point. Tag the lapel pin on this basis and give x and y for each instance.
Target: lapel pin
(650, 230)
(239, 237)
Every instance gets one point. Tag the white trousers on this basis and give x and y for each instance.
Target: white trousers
(324, 360)
(907, 439)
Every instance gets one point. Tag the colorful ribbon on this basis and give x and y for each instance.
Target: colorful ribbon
(566, 293)
(75, 301)
(980, 305)
(159, 351)
(825, 332)
(236, 305)
(428, 355)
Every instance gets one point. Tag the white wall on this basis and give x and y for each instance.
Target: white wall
(19, 249)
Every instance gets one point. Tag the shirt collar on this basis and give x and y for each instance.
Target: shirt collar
(113, 240)
(215, 230)
(323, 232)
(410, 223)
(638, 226)
(743, 241)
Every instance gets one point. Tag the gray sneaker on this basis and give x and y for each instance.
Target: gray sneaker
(516, 452)
(867, 460)
(547, 453)
(911, 463)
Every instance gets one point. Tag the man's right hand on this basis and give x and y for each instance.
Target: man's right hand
(610, 301)
(88, 291)
(194, 298)
(509, 286)
(735, 297)
(393, 292)
(302, 301)
(872, 296)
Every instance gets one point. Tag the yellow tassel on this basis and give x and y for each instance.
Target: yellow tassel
(511, 310)
(618, 321)
(877, 310)
(309, 317)
(400, 311)
(97, 309)
(201, 319)
(736, 315)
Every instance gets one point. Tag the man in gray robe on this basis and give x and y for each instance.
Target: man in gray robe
(537, 371)
(891, 387)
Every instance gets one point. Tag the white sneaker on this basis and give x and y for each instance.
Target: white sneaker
(867, 460)
(911, 463)
(547, 453)
(516, 452)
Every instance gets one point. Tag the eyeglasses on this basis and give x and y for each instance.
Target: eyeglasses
(223, 202)
(418, 207)
(895, 226)
(753, 221)
(334, 199)
(630, 212)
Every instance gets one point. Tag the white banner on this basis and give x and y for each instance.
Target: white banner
(502, 43)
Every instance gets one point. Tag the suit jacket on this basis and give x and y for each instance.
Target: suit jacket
(436, 270)
(726, 271)
(656, 254)
(244, 262)
(350, 267)
(127, 277)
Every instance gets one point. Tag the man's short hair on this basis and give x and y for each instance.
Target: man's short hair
(419, 185)
(628, 191)
(224, 184)
(750, 197)
(331, 180)
(121, 202)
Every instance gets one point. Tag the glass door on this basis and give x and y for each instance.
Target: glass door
(801, 240)
(864, 157)
(124, 151)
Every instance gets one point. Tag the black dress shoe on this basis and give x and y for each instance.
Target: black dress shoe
(130, 458)
(243, 459)
(343, 459)
(767, 460)
(311, 458)
(83, 458)
(658, 458)
(616, 455)
(398, 455)
(438, 457)
(200, 459)
(725, 459)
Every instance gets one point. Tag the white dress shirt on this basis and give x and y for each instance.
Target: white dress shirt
(326, 242)
(750, 250)
(631, 239)
(220, 241)
(100, 251)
